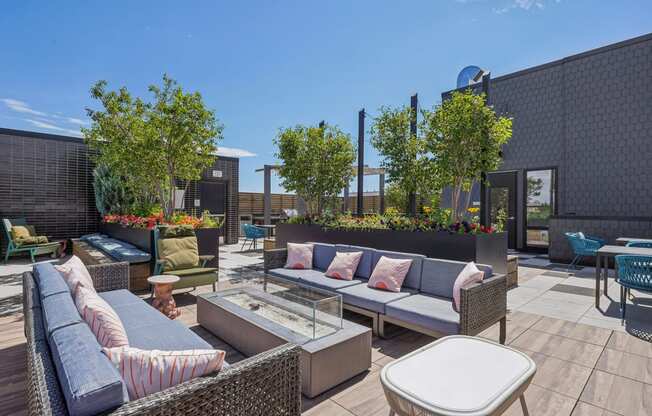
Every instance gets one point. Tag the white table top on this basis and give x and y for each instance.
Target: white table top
(459, 375)
(163, 279)
(615, 250)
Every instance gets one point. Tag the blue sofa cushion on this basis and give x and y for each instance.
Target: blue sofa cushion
(314, 278)
(371, 299)
(322, 255)
(429, 312)
(149, 329)
(59, 311)
(413, 277)
(49, 280)
(90, 383)
(365, 265)
(438, 276)
(121, 250)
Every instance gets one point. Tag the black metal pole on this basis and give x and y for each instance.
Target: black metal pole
(484, 195)
(414, 102)
(322, 124)
(360, 196)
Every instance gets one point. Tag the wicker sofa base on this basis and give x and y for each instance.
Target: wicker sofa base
(268, 383)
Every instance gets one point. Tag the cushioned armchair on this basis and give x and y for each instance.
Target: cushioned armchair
(30, 243)
(177, 253)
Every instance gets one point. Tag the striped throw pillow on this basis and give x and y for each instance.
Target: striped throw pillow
(74, 272)
(146, 372)
(101, 318)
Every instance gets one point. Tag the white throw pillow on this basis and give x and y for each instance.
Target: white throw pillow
(469, 274)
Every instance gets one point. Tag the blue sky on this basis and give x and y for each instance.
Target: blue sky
(262, 65)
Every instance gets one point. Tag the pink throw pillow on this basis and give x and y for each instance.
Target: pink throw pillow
(389, 274)
(101, 318)
(147, 372)
(75, 273)
(299, 256)
(469, 274)
(344, 265)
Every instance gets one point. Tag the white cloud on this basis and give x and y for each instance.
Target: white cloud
(234, 152)
(524, 5)
(48, 119)
(21, 107)
(49, 126)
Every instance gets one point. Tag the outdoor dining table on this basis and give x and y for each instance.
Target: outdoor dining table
(602, 256)
(622, 241)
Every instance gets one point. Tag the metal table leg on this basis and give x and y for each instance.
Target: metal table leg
(597, 280)
(606, 274)
(524, 406)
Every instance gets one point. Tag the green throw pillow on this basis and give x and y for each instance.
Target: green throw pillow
(178, 253)
(19, 231)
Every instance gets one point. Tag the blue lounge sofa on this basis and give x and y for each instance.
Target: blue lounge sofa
(424, 303)
(69, 375)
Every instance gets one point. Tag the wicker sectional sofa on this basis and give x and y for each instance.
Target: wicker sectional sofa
(67, 373)
(425, 301)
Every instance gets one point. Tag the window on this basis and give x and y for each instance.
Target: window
(539, 206)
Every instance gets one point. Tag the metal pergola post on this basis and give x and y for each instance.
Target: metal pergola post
(484, 194)
(360, 195)
(267, 197)
(414, 103)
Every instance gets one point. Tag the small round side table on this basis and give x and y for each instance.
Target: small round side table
(163, 299)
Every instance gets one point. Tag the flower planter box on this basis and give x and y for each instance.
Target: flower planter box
(208, 240)
(480, 248)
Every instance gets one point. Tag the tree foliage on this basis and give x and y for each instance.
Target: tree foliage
(153, 145)
(111, 196)
(465, 136)
(404, 156)
(316, 163)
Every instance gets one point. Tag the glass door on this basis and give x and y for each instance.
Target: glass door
(539, 206)
(502, 203)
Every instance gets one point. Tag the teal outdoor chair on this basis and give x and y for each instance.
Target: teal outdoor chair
(252, 234)
(583, 246)
(14, 247)
(634, 272)
(642, 244)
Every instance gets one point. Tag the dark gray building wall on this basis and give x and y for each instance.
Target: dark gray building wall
(590, 116)
(48, 180)
(230, 169)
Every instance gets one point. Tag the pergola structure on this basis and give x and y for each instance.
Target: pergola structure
(366, 171)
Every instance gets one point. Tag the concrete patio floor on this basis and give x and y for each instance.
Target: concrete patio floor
(588, 364)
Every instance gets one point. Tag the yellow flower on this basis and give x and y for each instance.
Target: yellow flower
(473, 210)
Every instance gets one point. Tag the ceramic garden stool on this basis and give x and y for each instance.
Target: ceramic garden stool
(163, 299)
(457, 375)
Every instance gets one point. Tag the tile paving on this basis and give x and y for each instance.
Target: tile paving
(588, 364)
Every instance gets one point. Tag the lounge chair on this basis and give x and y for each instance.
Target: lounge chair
(15, 246)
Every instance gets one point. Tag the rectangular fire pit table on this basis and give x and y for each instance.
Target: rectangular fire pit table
(267, 312)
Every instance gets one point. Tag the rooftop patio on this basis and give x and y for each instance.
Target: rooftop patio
(588, 364)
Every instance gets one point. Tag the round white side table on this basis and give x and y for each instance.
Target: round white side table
(163, 299)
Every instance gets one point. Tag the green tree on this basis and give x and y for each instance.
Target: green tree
(464, 136)
(316, 163)
(153, 145)
(111, 196)
(404, 155)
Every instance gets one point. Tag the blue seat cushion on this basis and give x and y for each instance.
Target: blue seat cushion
(121, 250)
(59, 311)
(413, 277)
(314, 278)
(322, 255)
(149, 329)
(49, 280)
(92, 237)
(369, 298)
(90, 383)
(365, 266)
(438, 276)
(429, 312)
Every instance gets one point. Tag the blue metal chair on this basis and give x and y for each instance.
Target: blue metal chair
(583, 246)
(634, 272)
(643, 244)
(252, 234)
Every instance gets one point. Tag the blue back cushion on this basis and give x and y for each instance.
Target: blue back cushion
(322, 255)
(413, 277)
(365, 265)
(90, 383)
(439, 276)
(59, 311)
(49, 280)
